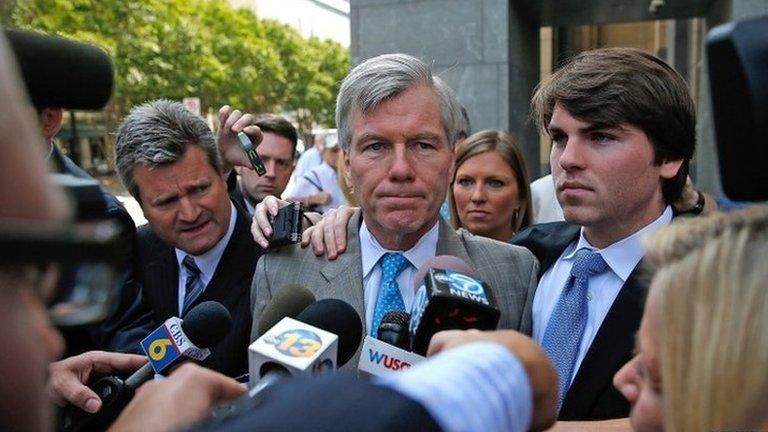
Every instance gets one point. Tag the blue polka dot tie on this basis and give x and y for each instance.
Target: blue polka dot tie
(569, 317)
(389, 299)
(194, 285)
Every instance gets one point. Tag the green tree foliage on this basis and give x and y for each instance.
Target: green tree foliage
(204, 48)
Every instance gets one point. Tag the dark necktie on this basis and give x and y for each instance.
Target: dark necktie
(194, 285)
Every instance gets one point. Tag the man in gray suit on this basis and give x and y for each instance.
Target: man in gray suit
(397, 127)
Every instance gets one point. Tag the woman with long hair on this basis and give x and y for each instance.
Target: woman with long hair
(702, 360)
(490, 194)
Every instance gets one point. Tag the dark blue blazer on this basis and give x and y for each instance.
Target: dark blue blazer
(592, 395)
(331, 403)
(154, 287)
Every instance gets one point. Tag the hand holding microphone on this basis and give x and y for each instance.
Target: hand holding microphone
(191, 390)
(67, 378)
(541, 374)
(169, 345)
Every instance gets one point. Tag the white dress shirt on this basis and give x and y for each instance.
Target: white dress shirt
(206, 262)
(370, 253)
(622, 257)
(322, 178)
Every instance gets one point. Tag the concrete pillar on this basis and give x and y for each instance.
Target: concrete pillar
(486, 50)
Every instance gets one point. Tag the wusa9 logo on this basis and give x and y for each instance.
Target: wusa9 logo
(296, 343)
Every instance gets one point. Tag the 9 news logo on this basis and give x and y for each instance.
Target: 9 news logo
(297, 343)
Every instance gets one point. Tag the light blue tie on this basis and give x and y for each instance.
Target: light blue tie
(194, 285)
(569, 318)
(389, 299)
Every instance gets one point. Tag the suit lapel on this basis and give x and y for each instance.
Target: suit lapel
(344, 276)
(225, 280)
(164, 270)
(610, 350)
(448, 243)
(547, 241)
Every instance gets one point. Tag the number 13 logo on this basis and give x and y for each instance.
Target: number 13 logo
(298, 343)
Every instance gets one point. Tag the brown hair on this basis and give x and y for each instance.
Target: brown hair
(610, 86)
(279, 126)
(502, 143)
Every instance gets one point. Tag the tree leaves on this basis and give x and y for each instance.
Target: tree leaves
(203, 48)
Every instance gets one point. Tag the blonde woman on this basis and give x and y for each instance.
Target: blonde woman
(702, 360)
(490, 195)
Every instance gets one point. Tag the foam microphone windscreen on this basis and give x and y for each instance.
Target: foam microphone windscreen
(394, 329)
(62, 73)
(443, 262)
(207, 324)
(339, 318)
(289, 301)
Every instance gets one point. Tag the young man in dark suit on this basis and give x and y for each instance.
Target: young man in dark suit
(277, 150)
(197, 244)
(622, 125)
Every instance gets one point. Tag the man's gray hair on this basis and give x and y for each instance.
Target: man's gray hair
(383, 78)
(158, 133)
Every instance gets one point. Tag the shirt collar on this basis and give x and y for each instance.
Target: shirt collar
(208, 261)
(371, 250)
(624, 255)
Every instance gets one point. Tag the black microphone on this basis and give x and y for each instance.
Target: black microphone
(393, 329)
(337, 317)
(62, 73)
(294, 347)
(172, 343)
(289, 301)
(305, 345)
(447, 298)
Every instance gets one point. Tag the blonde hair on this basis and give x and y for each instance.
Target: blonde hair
(710, 291)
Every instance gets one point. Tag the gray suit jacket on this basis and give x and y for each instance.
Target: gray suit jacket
(510, 272)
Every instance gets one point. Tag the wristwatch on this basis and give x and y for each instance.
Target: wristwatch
(697, 208)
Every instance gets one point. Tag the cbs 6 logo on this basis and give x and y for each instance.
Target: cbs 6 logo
(298, 343)
(158, 349)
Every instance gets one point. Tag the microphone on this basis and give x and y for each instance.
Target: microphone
(170, 344)
(449, 297)
(176, 341)
(289, 301)
(393, 329)
(61, 73)
(323, 336)
(389, 351)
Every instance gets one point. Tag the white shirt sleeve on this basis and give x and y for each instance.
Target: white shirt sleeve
(480, 386)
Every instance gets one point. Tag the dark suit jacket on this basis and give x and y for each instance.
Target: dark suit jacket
(331, 403)
(93, 336)
(235, 195)
(592, 395)
(155, 286)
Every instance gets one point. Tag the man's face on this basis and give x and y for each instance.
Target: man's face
(605, 178)
(400, 165)
(277, 154)
(185, 202)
